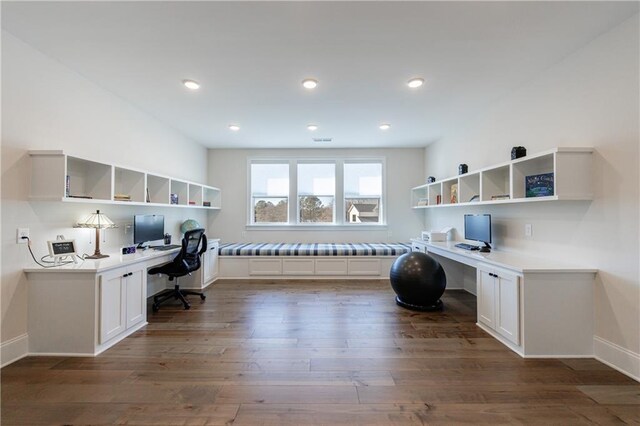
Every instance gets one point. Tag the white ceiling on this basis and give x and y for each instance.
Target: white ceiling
(251, 57)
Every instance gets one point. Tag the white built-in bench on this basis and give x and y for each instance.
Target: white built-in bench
(308, 260)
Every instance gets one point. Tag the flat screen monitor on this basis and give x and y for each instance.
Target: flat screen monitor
(477, 227)
(148, 227)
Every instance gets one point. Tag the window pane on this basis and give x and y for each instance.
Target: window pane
(363, 180)
(362, 210)
(270, 180)
(363, 192)
(316, 179)
(316, 209)
(270, 210)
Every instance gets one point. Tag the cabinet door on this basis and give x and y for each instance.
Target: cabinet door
(112, 304)
(486, 298)
(214, 260)
(508, 307)
(136, 286)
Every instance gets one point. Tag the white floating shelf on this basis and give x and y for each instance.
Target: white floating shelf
(56, 176)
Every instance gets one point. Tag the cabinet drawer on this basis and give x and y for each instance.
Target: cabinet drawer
(331, 266)
(364, 266)
(298, 266)
(265, 267)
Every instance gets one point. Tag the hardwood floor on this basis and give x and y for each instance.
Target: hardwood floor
(331, 353)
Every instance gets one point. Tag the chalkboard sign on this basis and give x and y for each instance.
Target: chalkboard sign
(59, 249)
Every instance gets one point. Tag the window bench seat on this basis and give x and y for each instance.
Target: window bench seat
(308, 260)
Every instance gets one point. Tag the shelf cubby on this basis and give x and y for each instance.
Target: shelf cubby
(129, 182)
(469, 188)
(195, 195)
(420, 196)
(88, 179)
(527, 167)
(181, 190)
(495, 182)
(447, 186)
(435, 194)
(159, 189)
(212, 196)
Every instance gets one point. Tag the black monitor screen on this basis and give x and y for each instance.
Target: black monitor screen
(148, 227)
(477, 227)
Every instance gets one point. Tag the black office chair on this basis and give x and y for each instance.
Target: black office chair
(194, 244)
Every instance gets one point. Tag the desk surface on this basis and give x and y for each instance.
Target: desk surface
(514, 261)
(115, 260)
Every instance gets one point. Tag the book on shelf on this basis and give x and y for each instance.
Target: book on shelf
(206, 203)
(500, 197)
(121, 197)
(87, 197)
(192, 203)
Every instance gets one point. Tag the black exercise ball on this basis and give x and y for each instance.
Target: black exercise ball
(419, 281)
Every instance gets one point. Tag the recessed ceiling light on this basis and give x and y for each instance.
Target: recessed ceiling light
(312, 127)
(190, 84)
(385, 126)
(415, 82)
(234, 127)
(309, 83)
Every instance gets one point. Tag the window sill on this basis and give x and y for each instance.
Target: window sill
(296, 227)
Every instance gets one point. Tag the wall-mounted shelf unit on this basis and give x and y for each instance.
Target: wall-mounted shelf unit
(568, 174)
(56, 176)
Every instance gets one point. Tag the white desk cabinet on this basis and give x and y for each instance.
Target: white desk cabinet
(499, 301)
(122, 300)
(536, 307)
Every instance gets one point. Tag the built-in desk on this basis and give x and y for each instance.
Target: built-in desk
(535, 306)
(84, 308)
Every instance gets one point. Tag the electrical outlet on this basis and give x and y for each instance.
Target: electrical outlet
(22, 232)
(528, 230)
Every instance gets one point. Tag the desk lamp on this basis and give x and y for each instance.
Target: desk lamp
(98, 221)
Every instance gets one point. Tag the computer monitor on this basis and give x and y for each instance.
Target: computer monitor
(477, 227)
(147, 227)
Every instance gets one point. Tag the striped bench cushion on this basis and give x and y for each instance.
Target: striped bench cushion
(314, 249)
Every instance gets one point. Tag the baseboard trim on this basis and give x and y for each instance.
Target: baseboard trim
(615, 356)
(14, 349)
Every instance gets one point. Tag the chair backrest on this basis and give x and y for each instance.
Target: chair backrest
(194, 244)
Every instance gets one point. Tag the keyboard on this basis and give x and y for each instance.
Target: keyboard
(466, 246)
(163, 248)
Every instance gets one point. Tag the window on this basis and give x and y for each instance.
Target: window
(270, 192)
(363, 192)
(316, 192)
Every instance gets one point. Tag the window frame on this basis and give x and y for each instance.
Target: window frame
(293, 219)
(297, 191)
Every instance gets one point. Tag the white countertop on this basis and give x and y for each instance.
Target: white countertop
(115, 260)
(518, 262)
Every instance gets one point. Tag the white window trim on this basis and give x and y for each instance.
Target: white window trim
(340, 206)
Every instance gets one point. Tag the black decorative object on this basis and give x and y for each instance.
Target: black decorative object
(518, 152)
(431, 179)
(462, 169)
(419, 281)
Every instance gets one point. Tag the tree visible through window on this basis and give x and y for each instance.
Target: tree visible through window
(316, 192)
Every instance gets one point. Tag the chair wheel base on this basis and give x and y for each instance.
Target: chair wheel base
(203, 297)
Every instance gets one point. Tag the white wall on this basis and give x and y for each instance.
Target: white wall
(228, 171)
(589, 99)
(47, 106)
